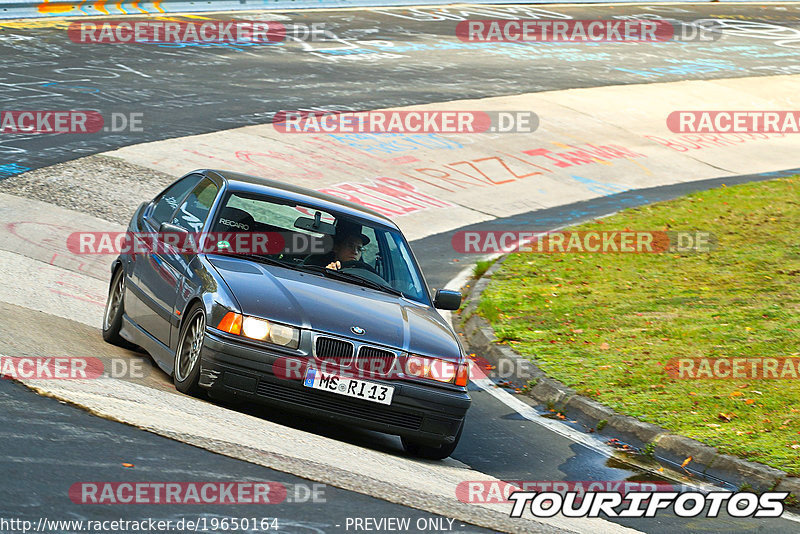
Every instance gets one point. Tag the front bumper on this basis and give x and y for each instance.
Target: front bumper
(430, 415)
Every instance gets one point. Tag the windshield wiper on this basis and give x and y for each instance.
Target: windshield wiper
(265, 259)
(349, 277)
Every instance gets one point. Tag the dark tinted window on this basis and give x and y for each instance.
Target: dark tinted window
(193, 211)
(168, 200)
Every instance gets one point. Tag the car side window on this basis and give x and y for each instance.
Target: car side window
(193, 211)
(369, 254)
(402, 278)
(399, 271)
(168, 201)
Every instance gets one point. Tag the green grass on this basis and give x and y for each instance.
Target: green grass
(481, 267)
(607, 324)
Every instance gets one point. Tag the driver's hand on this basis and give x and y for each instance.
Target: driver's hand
(335, 265)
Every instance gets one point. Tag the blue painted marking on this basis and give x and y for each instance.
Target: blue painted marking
(82, 88)
(387, 143)
(602, 188)
(10, 169)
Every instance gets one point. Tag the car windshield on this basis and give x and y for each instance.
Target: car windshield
(345, 248)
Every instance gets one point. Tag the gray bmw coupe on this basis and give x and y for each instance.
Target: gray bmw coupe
(292, 298)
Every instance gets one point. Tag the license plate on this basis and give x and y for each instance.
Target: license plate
(349, 387)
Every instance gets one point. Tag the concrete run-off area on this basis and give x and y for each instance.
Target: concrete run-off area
(590, 143)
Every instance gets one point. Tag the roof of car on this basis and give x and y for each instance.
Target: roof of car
(254, 184)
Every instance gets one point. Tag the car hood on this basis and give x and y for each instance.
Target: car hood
(327, 305)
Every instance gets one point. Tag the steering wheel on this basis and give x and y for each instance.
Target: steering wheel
(358, 264)
(363, 270)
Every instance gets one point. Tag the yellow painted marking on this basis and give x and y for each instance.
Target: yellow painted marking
(49, 7)
(596, 159)
(169, 19)
(37, 24)
(157, 5)
(100, 6)
(118, 5)
(636, 161)
(605, 162)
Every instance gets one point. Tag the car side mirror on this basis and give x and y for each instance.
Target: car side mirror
(447, 299)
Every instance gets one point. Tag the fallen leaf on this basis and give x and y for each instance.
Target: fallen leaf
(604, 346)
(127, 465)
(726, 416)
(686, 461)
(749, 401)
(736, 393)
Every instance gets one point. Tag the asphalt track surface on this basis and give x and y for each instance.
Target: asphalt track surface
(42, 456)
(48, 446)
(369, 60)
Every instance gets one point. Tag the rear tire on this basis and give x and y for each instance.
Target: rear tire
(115, 309)
(432, 453)
(186, 374)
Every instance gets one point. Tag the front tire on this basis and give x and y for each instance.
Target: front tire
(432, 453)
(115, 309)
(187, 356)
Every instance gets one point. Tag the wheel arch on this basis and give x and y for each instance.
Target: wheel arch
(189, 305)
(115, 266)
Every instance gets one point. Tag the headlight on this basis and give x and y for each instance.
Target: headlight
(283, 335)
(255, 328)
(260, 329)
(439, 370)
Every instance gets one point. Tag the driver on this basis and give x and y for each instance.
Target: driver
(348, 243)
